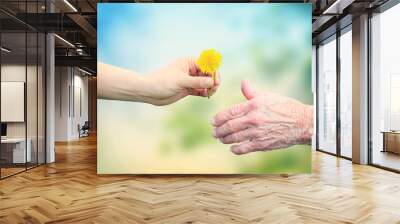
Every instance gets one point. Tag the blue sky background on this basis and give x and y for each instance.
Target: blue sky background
(143, 37)
(268, 44)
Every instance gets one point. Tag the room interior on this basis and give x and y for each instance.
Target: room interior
(22, 102)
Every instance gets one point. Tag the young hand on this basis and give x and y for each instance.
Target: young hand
(178, 80)
(162, 87)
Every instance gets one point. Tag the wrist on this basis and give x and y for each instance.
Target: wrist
(143, 88)
(306, 124)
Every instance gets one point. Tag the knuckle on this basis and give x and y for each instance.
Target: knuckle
(229, 126)
(258, 134)
(253, 119)
(234, 137)
(250, 134)
(224, 140)
(258, 145)
(253, 104)
(227, 140)
(247, 134)
(223, 129)
(202, 83)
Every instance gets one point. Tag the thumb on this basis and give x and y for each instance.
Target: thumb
(248, 91)
(196, 82)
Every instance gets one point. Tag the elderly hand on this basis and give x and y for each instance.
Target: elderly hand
(265, 121)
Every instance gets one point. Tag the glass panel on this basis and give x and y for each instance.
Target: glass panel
(327, 96)
(23, 90)
(346, 94)
(394, 102)
(314, 75)
(31, 88)
(41, 99)
(31, 100)
(13, 86)
(385, 86)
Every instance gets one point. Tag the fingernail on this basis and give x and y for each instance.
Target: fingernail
(213, 121)
(214, 133)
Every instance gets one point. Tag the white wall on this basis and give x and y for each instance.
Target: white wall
(16, 73)
(81, 84)
(70, 83)
(12, 101)
(62, 82)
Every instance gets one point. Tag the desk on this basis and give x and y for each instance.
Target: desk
(391, 141)
(18, 151)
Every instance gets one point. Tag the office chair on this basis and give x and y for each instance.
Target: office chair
(84, 130)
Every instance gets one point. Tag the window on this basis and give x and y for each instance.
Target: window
(394, 102)
(346, 93)
(327, 96)
(385, 89)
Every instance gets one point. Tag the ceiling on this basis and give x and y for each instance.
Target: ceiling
(76, 22)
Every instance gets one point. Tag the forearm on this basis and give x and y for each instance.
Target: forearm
(307, 124)
(115, 83)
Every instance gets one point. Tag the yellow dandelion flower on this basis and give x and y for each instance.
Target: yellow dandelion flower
(209, 61)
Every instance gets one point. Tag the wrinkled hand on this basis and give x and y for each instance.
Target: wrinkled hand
(265, 121)
(177, 80)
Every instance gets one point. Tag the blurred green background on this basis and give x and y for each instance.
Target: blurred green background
(268, 44)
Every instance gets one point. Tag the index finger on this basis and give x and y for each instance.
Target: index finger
(193, 68)
(233, 112)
